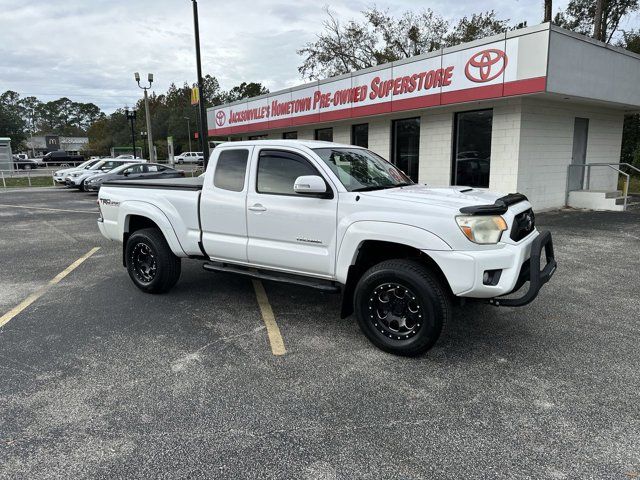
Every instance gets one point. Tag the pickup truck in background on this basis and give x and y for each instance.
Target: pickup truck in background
(60, 157)
(338, 218)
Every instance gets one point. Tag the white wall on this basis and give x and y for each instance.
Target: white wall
(546, 144)
(436, 131)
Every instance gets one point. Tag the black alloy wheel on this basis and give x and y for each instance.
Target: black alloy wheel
(151, 264)
(401, 306)
(144, 262)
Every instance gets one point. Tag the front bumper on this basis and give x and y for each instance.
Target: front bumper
(465, 270)
(530, 272)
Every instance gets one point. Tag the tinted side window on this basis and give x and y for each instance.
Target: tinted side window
(231, 169)
(277, 172)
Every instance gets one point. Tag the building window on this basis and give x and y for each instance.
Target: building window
(324, 134)
(290, 135)
(360, 135)
(405, 143)
(472, 148)
(258, 137)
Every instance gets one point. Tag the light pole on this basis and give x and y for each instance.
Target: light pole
(143, 135)
(189, 131)
(204, 134)
(131, 116)
(148, 115)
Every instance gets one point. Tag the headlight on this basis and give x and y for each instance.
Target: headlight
(483, 229)
(75, 175)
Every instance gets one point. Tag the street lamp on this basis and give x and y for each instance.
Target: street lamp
(188, 130)
(146, 107)
(131, 116)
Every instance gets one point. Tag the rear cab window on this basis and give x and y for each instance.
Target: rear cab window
(231, 169)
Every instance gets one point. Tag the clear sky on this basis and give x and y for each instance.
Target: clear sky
(88, 50)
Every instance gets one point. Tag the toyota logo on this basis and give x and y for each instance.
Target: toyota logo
(221, 117)
(486, 65)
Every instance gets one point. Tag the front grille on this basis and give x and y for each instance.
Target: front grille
(523, 225)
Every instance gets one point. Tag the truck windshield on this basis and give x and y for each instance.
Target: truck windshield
(360, 170)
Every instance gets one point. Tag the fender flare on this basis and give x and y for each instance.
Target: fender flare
(153, 213)
(359, 232)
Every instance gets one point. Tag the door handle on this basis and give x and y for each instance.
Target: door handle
(257, 208)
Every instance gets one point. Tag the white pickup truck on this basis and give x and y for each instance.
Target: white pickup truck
(338, 218)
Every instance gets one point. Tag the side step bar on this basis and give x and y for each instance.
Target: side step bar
(318, 284)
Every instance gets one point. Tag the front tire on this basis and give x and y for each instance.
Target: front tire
(401, 307)
(151, 264)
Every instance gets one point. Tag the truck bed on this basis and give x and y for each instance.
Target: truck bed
(188, 183)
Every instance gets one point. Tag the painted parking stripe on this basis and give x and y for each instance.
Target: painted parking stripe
(95, 212)
(37, 294)
(273, 331)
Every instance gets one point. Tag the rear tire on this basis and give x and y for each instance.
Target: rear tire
(401, 307)
(151, 264)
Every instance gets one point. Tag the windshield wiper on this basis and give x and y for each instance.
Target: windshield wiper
(380, 187)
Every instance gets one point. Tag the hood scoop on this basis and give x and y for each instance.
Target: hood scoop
(500, 206)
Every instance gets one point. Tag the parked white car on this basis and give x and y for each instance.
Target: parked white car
(77, 179)
(338, 218)
(60, 175)
(189, 157)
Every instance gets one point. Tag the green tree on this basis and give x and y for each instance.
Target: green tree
(580, 15)
(382, 38)
(479, 25)
(245, 90)
(12, 124)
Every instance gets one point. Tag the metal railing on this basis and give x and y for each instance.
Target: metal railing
(20, 174)
(586, 175)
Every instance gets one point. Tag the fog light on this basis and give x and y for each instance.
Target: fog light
(491, 277)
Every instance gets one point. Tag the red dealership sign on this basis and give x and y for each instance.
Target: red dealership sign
(460, 75)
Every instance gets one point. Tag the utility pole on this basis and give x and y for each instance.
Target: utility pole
(547, 10)
(131, 116)
(148, 114)
(597, 21)
(204, 134)
(189, 131)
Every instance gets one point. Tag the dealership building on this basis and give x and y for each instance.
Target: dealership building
(510, 113)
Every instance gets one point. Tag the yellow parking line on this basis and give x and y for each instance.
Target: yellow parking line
(36, 295)
(95, 212)
(275, 339)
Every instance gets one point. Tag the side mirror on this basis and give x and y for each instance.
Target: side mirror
(126, 174)
(310, 184)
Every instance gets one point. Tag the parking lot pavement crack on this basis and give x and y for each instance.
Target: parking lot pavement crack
(180, 364)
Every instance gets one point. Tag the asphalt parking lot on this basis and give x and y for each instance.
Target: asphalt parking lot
(98, 380)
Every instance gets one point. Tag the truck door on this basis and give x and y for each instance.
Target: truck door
(223, 206)
(289, 231)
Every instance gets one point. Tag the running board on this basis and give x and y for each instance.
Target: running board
(318, 284)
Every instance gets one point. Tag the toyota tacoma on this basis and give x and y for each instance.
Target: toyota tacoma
(338, 218)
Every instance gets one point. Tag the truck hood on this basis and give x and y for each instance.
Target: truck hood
(446, 197)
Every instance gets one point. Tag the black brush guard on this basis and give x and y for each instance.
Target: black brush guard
(530, 272)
